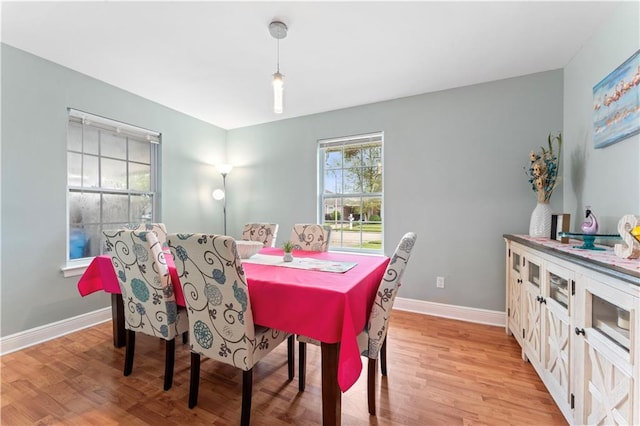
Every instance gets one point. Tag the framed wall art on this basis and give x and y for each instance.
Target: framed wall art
(560, 223)
(616, 104)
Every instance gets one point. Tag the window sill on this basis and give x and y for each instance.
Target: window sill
(75, 268)
(357, 251)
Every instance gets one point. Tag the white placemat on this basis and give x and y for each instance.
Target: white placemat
(302, 263)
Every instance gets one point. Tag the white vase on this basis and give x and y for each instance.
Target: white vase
(540, 224)
(288, 257)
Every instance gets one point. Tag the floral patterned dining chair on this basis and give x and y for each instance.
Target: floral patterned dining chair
(372, 341)
(157, 228)
(264, 232)
(310, 237)
(147, 293)
(219, 308)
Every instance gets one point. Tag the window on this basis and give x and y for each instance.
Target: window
(350, 176)
(111, 179)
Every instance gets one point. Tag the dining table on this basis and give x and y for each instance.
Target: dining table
(323, 295)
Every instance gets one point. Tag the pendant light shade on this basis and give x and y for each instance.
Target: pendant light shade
(278, 93)
(278, 31)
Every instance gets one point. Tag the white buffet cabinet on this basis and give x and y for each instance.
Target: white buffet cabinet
(576, 315)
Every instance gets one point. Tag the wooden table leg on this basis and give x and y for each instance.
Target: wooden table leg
(331, 395)
(117, 316)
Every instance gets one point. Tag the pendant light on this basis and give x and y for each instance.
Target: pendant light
(278, 31)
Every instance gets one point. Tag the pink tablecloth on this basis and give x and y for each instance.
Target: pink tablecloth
(327, 306)
(100, 276)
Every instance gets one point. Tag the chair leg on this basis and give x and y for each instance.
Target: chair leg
(169, 358)
(247, 388)
(383, 357)
(371, 386)
(194, 382)
(291, 356)
(129, 352)
(302, 361)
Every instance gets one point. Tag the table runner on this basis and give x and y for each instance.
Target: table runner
(306, 263)
(605, 256)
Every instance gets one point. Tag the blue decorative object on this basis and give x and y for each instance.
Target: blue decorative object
(77, 243)
(589, 239)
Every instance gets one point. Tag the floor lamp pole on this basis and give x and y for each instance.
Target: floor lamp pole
(224, 201)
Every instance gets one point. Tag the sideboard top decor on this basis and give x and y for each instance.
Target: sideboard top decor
(543, 168)
(629, 230)
(616, 104)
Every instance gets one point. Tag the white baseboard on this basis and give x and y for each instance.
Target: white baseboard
(24, 339)
(462, 313)
(43, 333)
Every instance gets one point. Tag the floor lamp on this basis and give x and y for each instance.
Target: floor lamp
(221, 194)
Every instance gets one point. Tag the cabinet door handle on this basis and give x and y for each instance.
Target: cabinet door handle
(538, 299)
(543, 300)
(580, 331)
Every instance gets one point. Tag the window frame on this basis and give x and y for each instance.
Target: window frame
(355, 140)
(76, 266)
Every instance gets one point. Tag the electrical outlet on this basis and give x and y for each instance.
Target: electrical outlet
(440, 282)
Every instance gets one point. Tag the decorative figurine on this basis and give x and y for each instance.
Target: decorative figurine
(629, 230)
(590, 226)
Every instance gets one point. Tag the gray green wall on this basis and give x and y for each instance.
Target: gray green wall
(453, 173)
(35, 97)
(608, 179)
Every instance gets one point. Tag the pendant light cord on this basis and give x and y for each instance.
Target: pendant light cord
(278, 55)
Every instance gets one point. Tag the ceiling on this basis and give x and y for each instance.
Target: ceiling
(214, 60)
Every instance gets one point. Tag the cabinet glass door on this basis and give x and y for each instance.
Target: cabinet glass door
(559, 289)
(556, 333)
(514, 292)
(534, 273)
(531, 306)
(603, 333)
(611, 320)
(515, 261)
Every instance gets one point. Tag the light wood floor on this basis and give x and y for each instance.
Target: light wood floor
(441, 372)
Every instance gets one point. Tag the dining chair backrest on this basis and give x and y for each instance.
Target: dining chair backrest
(264, 232)
(310, 237)
(217, 298)
(376, 329)
(157, 228)
(142, 272)
(219, 309)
